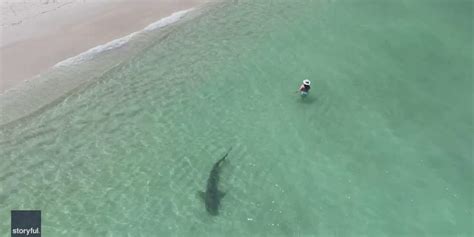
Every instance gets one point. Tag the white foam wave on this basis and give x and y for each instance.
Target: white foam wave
(117, 43)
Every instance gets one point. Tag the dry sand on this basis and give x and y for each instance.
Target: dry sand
(37, 34)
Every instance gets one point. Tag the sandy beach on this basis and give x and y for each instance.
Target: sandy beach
(37, 34)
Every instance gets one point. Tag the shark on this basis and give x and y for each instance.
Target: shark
(212, 196)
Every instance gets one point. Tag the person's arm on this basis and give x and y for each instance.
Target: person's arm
(301, 88)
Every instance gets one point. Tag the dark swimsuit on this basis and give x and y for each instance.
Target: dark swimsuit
(306, 88)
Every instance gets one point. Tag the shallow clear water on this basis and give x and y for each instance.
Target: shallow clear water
(381, 147)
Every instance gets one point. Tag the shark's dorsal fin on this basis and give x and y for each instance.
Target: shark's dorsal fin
(201, 195)
(221, 194)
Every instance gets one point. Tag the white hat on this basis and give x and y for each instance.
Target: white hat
(307, 82)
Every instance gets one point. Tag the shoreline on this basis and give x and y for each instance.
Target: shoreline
(39, 43)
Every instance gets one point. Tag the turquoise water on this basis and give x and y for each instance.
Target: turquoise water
(382, 146)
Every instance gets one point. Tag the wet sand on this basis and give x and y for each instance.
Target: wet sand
(35, 35)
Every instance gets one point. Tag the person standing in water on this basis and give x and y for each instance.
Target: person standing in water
(305, 87)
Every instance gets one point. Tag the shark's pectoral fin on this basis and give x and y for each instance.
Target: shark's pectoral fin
(221, 194)
(201, 195)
